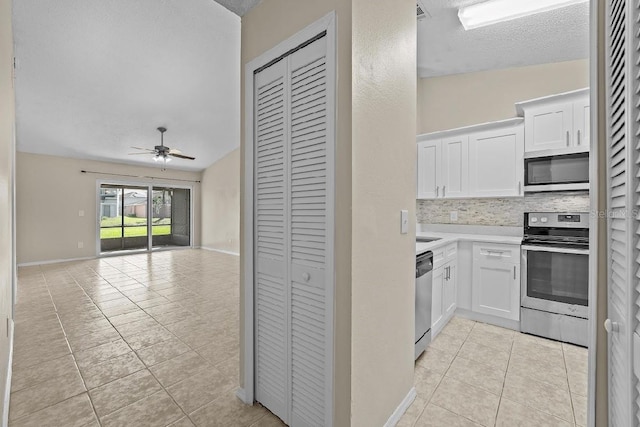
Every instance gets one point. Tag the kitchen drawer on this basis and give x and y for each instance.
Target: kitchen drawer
(444, 254)
(496, 252)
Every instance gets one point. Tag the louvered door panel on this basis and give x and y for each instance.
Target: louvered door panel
(271, 293)
(308, 80)
(622, 114)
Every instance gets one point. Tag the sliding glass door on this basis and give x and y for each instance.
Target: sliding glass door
(131, 220)
(171, 222)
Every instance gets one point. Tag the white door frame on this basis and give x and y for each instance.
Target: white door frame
(327, 23)
(593, 226)
(149, 186)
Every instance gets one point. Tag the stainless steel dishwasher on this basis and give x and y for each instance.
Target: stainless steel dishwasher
(424, 273)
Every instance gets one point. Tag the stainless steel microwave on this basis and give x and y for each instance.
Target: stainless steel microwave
(560, 172)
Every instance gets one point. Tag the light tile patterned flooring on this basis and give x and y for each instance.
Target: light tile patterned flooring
(136, 340)
(152, 340)
(474, 374)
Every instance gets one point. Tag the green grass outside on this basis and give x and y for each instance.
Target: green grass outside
(110, 222)
(132, 231)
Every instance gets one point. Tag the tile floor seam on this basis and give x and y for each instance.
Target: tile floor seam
(566, 370)
(504, 381)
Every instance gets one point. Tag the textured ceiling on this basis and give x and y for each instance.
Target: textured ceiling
(239, 7)
(95, 77)
(444, 47)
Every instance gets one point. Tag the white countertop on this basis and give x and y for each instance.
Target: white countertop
(446, 238)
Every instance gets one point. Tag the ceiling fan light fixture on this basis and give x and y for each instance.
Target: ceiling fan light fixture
(495, 11)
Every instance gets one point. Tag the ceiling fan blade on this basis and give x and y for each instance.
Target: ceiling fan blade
(145, 149)
(181, 156)
(177, 153)
(144, 154)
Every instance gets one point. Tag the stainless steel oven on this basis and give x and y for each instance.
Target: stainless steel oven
(555, 279)
(553, 172)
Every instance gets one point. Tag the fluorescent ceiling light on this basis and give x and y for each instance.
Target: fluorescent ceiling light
(495, 11)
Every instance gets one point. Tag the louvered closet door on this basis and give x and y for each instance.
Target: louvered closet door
(293, 228)
(622, 157)
(271, 234)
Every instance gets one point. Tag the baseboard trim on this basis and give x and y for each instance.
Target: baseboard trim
(487, 318)
(402, 408)
(240, 394)
(53, 261)
(208, 248)
(7, 386)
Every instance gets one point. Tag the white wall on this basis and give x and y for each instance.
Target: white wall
(383, 260)
(221, 204)
(7, 150)
(466, 99)
(50, 192)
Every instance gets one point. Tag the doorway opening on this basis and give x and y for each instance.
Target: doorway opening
(143, 217)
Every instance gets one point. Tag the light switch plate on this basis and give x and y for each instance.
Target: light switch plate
(453, 215)
(404, 222)
(80, 213)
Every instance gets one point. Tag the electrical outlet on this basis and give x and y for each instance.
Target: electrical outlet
(80, 212)
(453, 215)
(80, 245)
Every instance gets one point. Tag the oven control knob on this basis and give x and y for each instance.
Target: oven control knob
(544, 219)
(534, 219)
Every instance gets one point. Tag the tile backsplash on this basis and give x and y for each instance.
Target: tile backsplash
(502, 212)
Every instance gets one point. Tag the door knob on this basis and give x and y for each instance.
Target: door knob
(306, 277)
(610, 326)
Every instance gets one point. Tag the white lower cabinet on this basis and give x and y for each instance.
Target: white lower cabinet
(496, 280)
(444, 294)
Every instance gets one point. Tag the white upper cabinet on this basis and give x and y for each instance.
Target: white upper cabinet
(496, 162)
(558, 122)
(455, 171)
(477, 161)
(429, 166)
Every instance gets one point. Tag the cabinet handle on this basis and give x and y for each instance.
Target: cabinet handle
(568, 138)
(578, 137)
(514, 272)
(519, 187)
(438, 191)
(306, 277)
(444, 191)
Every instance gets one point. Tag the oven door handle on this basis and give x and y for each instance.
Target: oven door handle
(556, 250)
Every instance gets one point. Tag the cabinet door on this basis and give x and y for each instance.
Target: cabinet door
(455, 170)
(581, 124)
(496, 288)
(437, 301)
(496, 163)
(549, 126)
(450, 289)
(429, 165)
